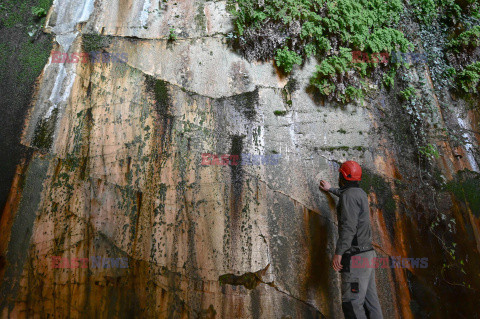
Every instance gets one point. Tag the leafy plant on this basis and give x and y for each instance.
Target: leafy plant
(425, 10)
(286, 59)
(470, 38)
(333, 67)
(468, 79)
(279, 113)
(450, 72)
(389, 78)
(428, 10)
(39, 12)
(408, 93)
(429, 151)
(172, 35)
(353, 93)
(324, 86)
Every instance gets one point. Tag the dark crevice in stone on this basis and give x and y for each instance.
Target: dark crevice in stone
(249, 280)
(236, 190)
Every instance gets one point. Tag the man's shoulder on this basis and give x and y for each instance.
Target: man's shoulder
(354, 192)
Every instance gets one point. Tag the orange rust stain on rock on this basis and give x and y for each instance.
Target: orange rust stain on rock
(282, 76)
(401, 235)
(208, 17)
(404, 294)
(317, 261)
(442, 160)
(456, 156)
(474, 116)
(373, 120)
(387, 165)
(462, 227)
(9, 212)
(406, 230)
(398, 283)
(461, 161)
(457, 213)
(233, 306)
(474, 221)
(457, 159)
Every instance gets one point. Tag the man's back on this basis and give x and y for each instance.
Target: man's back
(355, 201)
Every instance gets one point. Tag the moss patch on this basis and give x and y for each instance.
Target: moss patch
(95, 42)
(244, 103)
(24, 51)
(466, 188)
(372, 182)
(43, 135)
(14, 13)
(468, 79)
(466, 40)
(162, 96)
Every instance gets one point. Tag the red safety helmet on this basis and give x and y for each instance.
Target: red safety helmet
(351, 171)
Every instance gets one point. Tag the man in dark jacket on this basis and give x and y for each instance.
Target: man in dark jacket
(359, 293)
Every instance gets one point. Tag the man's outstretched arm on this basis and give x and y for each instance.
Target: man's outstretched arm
(325, 186)
(335, 191)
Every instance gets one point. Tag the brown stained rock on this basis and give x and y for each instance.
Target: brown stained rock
(208, 17)
(208, 313)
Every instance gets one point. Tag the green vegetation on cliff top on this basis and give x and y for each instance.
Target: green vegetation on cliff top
(331, 29)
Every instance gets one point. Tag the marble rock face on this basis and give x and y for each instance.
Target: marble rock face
(116, 178)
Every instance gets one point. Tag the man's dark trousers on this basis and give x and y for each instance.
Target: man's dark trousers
(359, 292)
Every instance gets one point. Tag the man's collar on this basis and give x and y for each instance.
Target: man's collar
(350, 184)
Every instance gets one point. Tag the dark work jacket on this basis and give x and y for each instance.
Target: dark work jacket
(354, 231)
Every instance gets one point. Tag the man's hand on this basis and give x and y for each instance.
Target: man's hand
(337, 262)
(324, 185)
